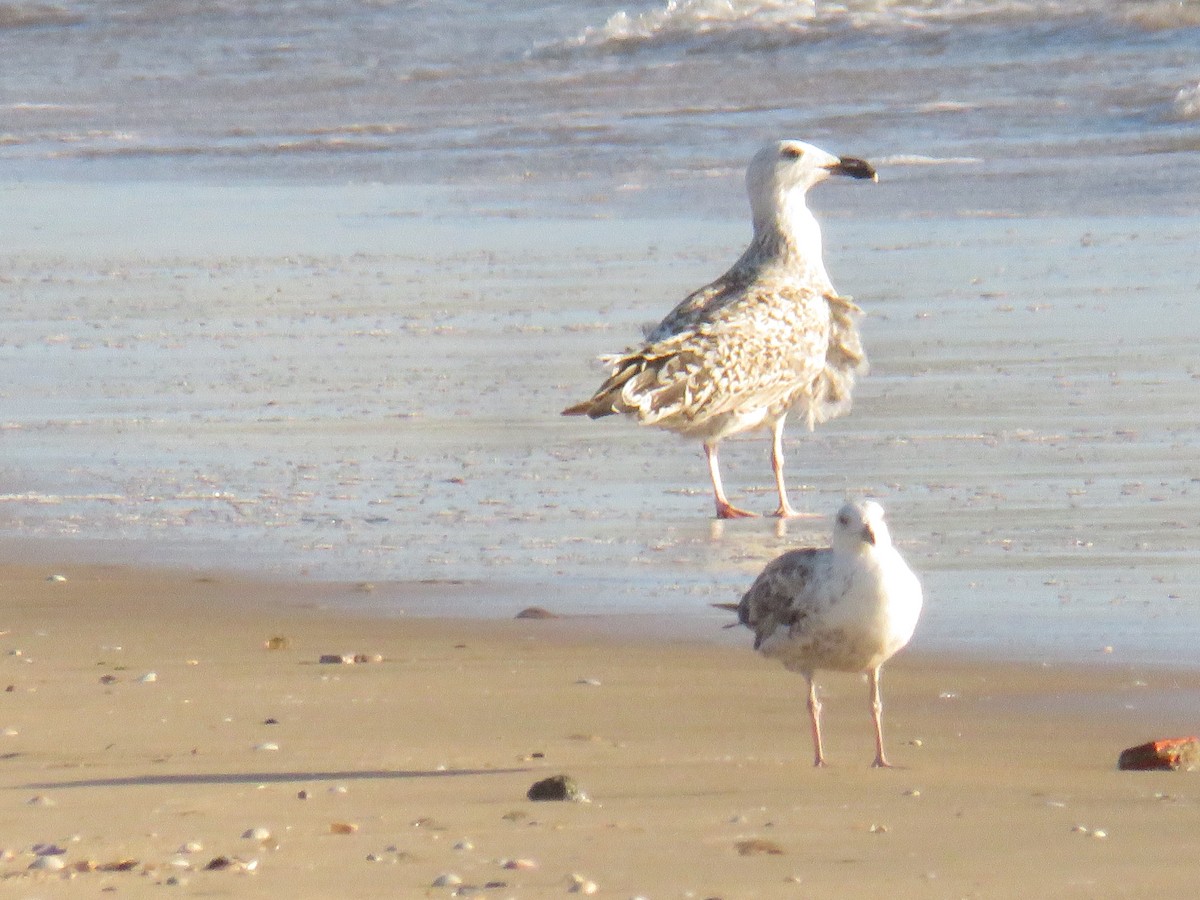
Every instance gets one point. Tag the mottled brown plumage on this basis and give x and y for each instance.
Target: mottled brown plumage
(768, 336)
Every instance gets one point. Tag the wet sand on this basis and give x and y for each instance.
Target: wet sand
(364, 383)
(1005, 782)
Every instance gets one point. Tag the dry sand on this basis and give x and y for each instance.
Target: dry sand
(1005, 784)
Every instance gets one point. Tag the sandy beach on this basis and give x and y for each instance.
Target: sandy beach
(149, 726)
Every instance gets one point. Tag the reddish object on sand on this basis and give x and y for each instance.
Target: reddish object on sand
(1169, 753)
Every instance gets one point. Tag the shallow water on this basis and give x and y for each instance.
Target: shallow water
(378, 402)
(301, 288)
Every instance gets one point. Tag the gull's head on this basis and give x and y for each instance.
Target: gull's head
(783, 167)
(859, 525)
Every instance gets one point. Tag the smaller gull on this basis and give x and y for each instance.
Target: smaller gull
(769, 335)
(846, 608)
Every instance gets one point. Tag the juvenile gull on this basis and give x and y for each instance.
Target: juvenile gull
(848, 608)
(768, 335)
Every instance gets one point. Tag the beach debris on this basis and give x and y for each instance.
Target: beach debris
(447, 879)
(109, 679)
(278, 642)
(120, 865)
(558, 787)
(266, 745)
(577, 884)
(57, 579)
(190, 847)
(47, 850)
(519, 864)
(878, 829)
(464, 844)
(258, 833)
(589, 682)
(231, 863)
(148, 678)
(758, 847)
(301, 794)
(40, 800)
(1169, 753)
(342, 828)
(537, 612)
(48, 864)
(349, 659)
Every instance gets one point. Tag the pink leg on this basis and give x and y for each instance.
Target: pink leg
(814, 715)
(877, 718)
(784, 510)
(725, 509)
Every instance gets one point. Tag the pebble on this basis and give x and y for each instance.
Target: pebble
(40, 800)
(148, 678)
(581, 885)
(342, 828)
(758, 847)
(47, 850)
(267, 745)
(258, 833)
(48, 864)
(57, 579)
(11, 732)
(590, 682)
(447, 879)
(464, 844)
(190, 847)
(519, 864)
(557, 787)
(536, 612)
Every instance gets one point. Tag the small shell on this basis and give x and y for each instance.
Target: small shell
(342, 828)
(519, 864)
(258, 833)
(447, 879)
(48, 864)
(581, 885)
(266, 745)
(148, 678)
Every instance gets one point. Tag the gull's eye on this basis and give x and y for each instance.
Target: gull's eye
(843, 521)
(790, 152)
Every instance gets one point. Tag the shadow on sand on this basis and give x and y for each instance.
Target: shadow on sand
(264, 778)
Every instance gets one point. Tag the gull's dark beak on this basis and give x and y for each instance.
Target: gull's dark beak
(855, 168)
(868, 535)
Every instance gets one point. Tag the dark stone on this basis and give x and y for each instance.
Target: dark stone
(536, 612)
(558, 787)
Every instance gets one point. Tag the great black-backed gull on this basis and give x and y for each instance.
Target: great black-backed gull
(847, 608)
(768, 335)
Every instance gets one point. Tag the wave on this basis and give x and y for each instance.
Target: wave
(756, 24)
(1187, 104)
